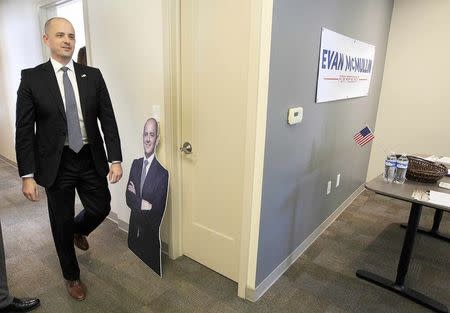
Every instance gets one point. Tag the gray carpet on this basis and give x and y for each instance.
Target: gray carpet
(365, 236)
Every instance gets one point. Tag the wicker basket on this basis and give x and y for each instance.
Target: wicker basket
(424, 171)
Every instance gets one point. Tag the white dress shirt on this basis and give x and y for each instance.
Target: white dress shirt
(71, 74)
(73, 80)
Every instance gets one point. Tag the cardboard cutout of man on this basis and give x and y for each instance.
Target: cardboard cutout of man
(146, 196)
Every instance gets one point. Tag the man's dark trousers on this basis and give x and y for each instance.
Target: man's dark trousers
(76, 171)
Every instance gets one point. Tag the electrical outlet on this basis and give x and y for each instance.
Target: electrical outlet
(329, 187)
(338, 179)
(295, 115)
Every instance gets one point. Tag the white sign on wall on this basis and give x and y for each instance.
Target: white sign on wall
(345, 67)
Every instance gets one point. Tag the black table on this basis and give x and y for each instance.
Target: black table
(434, 231)
(404, 192)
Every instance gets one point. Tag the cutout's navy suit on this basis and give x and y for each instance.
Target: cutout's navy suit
(144, 226)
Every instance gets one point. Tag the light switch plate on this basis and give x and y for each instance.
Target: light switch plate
(295, 115)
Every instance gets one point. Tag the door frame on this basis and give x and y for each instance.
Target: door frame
(45, 6)
(172, 120)
(257, 96)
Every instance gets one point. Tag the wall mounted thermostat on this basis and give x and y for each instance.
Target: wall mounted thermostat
(295, 115)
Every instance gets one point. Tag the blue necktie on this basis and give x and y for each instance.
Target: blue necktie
(73, 122)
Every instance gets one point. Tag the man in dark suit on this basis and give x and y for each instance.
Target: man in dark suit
(146, 196)
(59, 145)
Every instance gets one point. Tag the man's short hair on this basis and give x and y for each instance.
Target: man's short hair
(49, 22)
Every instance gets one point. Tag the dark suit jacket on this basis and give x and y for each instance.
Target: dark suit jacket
(39, 103)
(147, 245)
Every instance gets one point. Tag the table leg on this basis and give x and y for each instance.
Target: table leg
(434, 231)
(402, 269)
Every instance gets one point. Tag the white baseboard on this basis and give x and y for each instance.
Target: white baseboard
(123, 226)
(113, 216)
(12, 163)
(254, 294)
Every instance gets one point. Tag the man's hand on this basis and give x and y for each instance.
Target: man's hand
(115, 173)
(131, 187)
(29, 189)
(145, 205)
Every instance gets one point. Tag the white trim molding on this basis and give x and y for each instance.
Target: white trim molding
(172, 121)
(10, 162)
(254, 294)
(258, 90)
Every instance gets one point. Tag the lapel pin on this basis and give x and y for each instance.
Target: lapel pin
(83, 75)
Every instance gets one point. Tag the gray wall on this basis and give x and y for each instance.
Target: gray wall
(301, 159)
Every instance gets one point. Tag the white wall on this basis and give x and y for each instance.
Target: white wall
(19, 48)
(414, 109)
(126, 44)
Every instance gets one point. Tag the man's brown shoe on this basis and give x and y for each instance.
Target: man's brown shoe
(80, 242)
(76, 289)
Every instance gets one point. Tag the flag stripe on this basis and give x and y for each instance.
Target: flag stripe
(369, 138)
(366, 140)
(364, 136)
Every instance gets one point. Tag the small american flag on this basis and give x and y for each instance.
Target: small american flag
(364, 136)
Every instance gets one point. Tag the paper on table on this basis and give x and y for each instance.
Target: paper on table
(440, 198)
(444, 160)
(420, 195)
(432, 158)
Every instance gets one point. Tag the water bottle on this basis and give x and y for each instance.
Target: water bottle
(402, 166)
(389, 167)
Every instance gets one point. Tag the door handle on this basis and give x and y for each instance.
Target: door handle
(186, 148)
